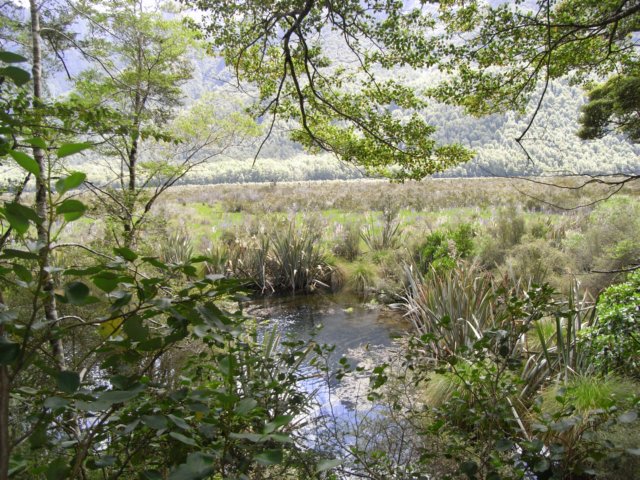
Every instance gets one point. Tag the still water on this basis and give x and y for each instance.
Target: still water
(363, 333)
(337, 319)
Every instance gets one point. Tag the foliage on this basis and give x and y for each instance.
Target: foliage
(177, 248)
(450, 309)
(299, 260)
(611, 108)
(440, 250)
(613, 341)
(285, 256)
(338, 109)
(111, 402)
(531, 43)
(484, 390)
(348, 245)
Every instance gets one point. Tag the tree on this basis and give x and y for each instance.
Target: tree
(348, 106)
(140, 58)
(510, 53)
(121, 317)
(613, 107)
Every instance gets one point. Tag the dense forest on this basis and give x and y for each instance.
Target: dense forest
(394, 318)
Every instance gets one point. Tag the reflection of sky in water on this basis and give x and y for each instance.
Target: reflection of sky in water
(343, 321)
(346, 322)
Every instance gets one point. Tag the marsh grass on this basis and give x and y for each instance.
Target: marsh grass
(452, 308)
(299, 264)
(347, 243)
(384, 234)
(177, 248)
(510, 234)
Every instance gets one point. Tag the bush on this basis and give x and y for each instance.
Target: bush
(537, 262)
(614, 341)
(441, 250)
(510, 227)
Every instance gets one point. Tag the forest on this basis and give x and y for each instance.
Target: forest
(376, 239)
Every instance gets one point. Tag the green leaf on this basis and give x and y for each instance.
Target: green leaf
(106, 461)
(76, 292)
(184, 439)
(23, 254)
(324, 465)
(118, 396)
(503, 445)
(280, 437)
(68, 381)
(197, 467)
(246, 405)
(55, 403)
(58, 469)
(18, 75)
(542, 465)
(157, 422)
(36, 142)
(72, 148)
(19, 217)
(122, 299)
(22, 273)
(135, 329)
(277, 422)
(106, 281)
(25, 161)
(469, 468)
(269, 457)
(126, 253)
(71, 209)
(10, 57)
(179, 422)
(9, 351)
(70, 182)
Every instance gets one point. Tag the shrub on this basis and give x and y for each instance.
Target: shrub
(536, 261)
(452, 308)
(510, 226)
(176, 248)
(298, 261)
(441, 250)
(362, 277)
(614, 340)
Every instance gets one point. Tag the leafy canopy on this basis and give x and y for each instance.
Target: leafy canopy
(352, 106)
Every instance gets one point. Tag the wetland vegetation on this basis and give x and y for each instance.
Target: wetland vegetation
(393, 326)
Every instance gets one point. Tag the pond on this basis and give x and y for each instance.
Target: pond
(361, 332)
(342, 320)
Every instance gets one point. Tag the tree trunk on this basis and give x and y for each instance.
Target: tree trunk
(50, 309)
(5, 448)
(132, 160)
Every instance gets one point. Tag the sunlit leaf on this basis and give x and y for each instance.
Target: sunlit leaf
(72, 148)
(71, 209)
(25, 161)
(70, 182)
